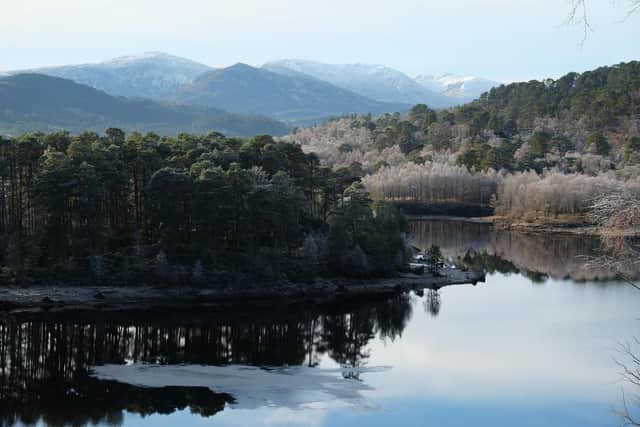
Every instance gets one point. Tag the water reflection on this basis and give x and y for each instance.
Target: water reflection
(537, 256)
(292, 388)
(433, 303)
(44, 362)
(506, 353)
(85, 400)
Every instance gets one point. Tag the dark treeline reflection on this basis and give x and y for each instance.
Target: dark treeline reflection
(44, 364)
(481, 247)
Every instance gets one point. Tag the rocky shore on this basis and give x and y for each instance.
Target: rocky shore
(67, 298)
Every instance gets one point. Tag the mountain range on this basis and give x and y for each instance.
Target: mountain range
(295, 92)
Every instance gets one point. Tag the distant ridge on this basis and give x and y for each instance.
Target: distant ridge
(293, 97)
(30, 102)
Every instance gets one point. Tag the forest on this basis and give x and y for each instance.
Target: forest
(131, 208)
(528, 150)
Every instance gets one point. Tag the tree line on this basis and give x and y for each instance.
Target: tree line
(520, 195)
(433, 183)
(184, 206)
(528, 195)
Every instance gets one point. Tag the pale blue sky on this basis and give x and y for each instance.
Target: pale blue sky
(499, 39)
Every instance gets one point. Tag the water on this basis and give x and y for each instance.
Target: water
(533, 346)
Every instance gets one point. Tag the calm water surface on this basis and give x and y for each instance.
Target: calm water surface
(533, 346)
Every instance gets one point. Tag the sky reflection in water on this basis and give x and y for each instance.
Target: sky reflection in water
(505, 353)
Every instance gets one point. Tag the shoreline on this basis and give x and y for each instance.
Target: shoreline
(70, 298)
(572, 227)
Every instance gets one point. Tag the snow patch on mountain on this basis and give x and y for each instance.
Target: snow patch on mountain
(152, 75)
(464, 88)
(377, 82)
(163, 77)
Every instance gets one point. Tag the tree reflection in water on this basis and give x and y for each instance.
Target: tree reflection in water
(537, 256)
(44, 362)
(432, 303)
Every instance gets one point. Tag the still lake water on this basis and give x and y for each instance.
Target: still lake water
(533, 346)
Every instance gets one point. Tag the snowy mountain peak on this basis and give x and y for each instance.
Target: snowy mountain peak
(154, 75)
(341, 72)
(152, 57)
(464, 88)
(374, 81)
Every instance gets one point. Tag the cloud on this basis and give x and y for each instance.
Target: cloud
(252, 387)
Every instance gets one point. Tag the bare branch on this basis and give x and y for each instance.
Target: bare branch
(634, 7)
(578, 14)
(631, 375)
(618, 216)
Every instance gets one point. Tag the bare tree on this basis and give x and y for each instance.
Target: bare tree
(630, 371)
(527, 195)
(432, 182)
(618, 217)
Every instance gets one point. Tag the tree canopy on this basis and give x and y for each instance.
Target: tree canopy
(115, 202)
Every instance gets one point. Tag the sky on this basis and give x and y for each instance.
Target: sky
(505, 40)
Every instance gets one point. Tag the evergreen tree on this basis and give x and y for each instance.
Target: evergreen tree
(598, 144)
(434, 259)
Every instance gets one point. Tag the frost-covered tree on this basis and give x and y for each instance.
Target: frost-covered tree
(432, 182)
(527, 195)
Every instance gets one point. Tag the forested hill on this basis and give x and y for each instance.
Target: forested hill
(31, 102)
(587, 122)
(601, 96)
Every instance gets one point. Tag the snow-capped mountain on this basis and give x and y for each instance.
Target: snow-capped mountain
(462, 88)
(373, 81)
(296, 91)
(150, 75)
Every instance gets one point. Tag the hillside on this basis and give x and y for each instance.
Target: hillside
(31, 102)
(151, 75)
(601, 96)
(538, 152)
(294, 98)
(580, 122)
